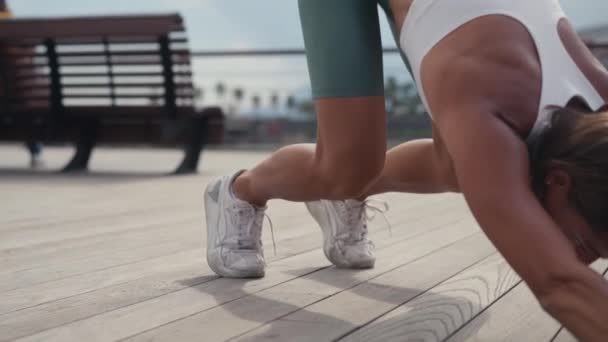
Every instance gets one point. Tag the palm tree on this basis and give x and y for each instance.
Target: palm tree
(307, 107)
(220, 90)
(390, 94)
(411, 100)
(256, 101)
(238, 94)
(197, 95)
(290, 103)
(274, 101)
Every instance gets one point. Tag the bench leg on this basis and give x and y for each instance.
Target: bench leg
(84, 147)
(192, 149)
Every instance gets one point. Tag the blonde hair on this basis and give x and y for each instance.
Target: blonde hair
(576, 142)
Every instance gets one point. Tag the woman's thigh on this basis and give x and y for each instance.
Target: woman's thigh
(343, 47)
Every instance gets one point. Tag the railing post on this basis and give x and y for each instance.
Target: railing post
(168, 74)
(5, 88)
(109, 64)
(56, 91)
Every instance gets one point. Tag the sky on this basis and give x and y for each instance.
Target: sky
(252, 24)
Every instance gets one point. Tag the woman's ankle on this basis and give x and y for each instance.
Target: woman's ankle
(241, 188)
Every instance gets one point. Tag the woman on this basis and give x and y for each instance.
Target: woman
(499, 78)
(33, 146)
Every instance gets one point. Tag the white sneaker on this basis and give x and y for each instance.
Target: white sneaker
(344, 226)
(234, 232)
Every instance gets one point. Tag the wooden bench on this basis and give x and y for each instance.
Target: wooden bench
(113, 80)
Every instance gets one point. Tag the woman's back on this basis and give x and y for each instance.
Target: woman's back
(514, 60)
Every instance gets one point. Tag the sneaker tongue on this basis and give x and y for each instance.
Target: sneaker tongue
(351, 203)
(247, 246)
(354, 211)
(359, 220)
(249, 226)
(245, 207)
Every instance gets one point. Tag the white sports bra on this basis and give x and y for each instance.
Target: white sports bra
(429, 21)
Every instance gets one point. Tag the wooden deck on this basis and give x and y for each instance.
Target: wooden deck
(118, 254)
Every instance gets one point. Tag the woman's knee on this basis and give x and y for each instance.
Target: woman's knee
(445, 175)
(351, 144)
(350, 177)
(449, 180)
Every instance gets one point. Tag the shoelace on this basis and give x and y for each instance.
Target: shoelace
(358, 219)
(274, 245)
(381, 208)
(249, 238)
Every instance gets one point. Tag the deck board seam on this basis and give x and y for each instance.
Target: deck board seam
(440, 226)
(269, 287)
(355, 329)
(362, 282)
(519, 283)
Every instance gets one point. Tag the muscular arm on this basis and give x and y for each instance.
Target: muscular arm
(491, 165)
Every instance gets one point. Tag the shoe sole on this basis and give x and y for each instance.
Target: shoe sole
(320, 215)
(214, 259)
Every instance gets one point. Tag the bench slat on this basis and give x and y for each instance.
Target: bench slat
(125, 85)
(92, 26)
(154, 53)
(149, 85)
(123, 74)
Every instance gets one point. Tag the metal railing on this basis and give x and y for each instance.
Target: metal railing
(595, 45)
(301, 51)
(264, 52)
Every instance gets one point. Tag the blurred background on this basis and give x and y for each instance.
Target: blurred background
(266, 98)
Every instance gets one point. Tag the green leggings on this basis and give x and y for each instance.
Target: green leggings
(343, 46)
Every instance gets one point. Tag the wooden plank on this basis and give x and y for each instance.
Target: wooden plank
(59, 252)
(101, 296)
(516, 317)
(113, 85)
(109, 240)
(174, 277)
(292, 233)
(94, 238)
(130, 52)
(67, 262)
(23, 279)
(438, 313)
(336, 314)
(79, 228)
(63, 288)
(127, 321)
(82, 212)
(102, 63)
(133, 294)
(124, 42)
(147, 243)
(165, 280)
(565, 336)
(70, 231)
(120, 74)
(110, 212)
(141, 95)
(163, 309)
